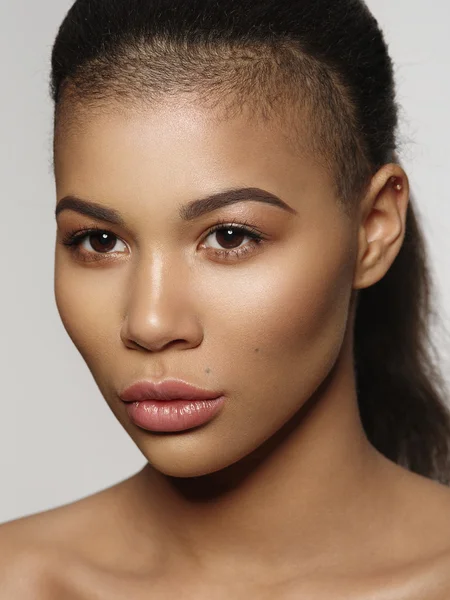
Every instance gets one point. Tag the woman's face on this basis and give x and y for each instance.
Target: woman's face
(165, 298)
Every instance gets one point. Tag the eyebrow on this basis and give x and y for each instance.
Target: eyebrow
(187, 212)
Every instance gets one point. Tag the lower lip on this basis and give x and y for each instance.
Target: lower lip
(173, 415)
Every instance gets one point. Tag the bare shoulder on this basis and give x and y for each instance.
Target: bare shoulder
(24, 560)
(31, 569)
(35, 548)
(424, 504)
(429, 502)
(420, 522)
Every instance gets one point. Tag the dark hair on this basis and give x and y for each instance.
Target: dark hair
(330, 57)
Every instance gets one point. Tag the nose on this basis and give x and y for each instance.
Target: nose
(158, 310)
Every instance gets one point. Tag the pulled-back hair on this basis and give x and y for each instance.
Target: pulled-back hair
(328, 58)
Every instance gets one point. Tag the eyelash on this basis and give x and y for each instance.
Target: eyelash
(73, 240)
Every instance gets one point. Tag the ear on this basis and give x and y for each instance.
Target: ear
(382, 224)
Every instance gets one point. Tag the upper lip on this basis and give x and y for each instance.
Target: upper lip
(170, 389)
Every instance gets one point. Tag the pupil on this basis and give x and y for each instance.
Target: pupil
(104, 238)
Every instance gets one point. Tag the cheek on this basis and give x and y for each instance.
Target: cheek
(292, 313)
(86, 305)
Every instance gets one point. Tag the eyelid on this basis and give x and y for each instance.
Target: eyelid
(223, 223)
(77, 235)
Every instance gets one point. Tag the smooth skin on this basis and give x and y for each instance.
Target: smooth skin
(281, 495)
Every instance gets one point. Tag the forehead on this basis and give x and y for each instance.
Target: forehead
(179, 149)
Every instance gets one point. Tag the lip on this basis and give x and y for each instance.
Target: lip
(169, 389)
(171, 405)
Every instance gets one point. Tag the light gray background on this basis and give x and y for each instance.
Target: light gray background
(59, 440)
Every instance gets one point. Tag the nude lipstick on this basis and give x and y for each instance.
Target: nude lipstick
(171, 405)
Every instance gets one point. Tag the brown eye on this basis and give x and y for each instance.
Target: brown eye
(102, 241)
(230, 237)
(93, 244)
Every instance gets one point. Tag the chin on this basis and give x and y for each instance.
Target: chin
(187, 466)
(186, 471)
(187, 456)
